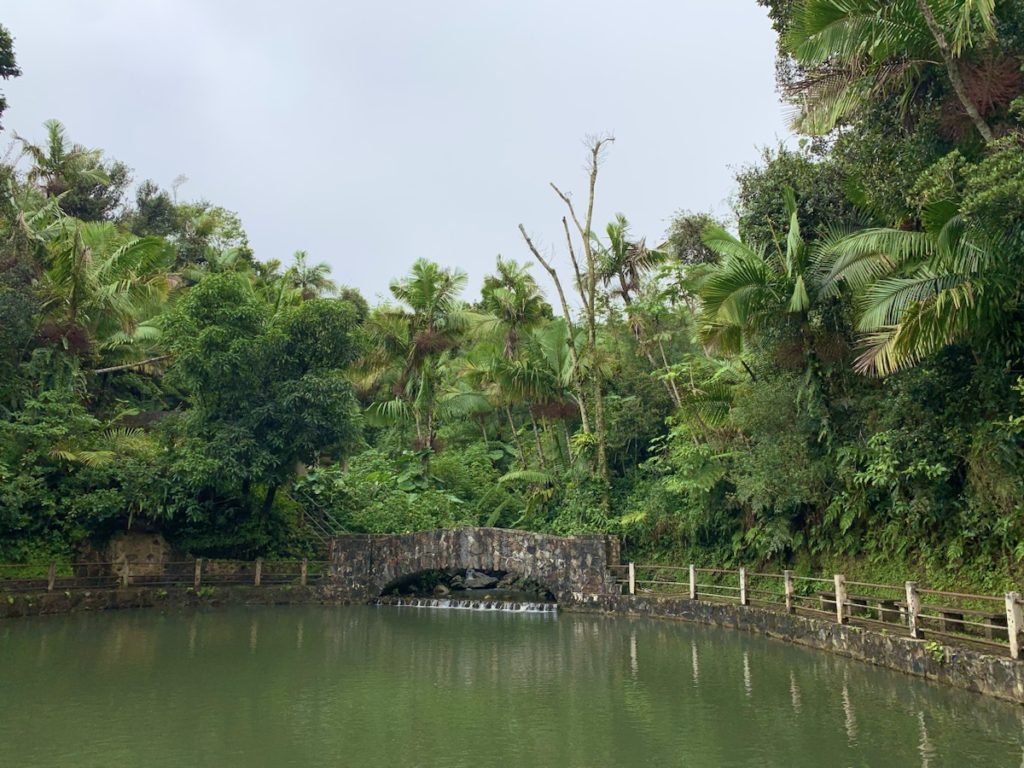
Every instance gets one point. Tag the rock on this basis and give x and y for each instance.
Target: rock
(457, 582)
(441, 590)
(507, 581)
(477, 580)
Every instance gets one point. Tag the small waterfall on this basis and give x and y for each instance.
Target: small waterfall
(466, 604)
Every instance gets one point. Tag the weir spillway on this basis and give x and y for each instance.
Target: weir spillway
(467, 604)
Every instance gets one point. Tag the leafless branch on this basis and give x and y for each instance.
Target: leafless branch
(576, 268)
(127, 366)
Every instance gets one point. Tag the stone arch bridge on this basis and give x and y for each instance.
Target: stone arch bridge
(363, 566)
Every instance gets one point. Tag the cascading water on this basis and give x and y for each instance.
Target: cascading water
(467, 604)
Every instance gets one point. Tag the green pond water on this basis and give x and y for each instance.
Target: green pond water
(367, 687)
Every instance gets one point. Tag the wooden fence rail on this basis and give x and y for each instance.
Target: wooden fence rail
(194, 574)
(994, 622)
(986, 620)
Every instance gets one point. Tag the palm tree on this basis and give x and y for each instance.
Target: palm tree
(624, 260)
(513, 302)
(538, 379)
(921, 291)
(232, 259)
(311, 280)
(58, 164)
(753, 285)
(101, 288)
(549, 351)
(853, 51)
(916, 291)
(410, 344)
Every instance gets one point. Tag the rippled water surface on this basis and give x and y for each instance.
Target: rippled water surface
(368, 687)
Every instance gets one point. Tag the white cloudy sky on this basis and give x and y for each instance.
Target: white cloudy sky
(374, 133)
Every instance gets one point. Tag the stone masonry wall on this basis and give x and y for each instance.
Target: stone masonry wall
(147, 552)
(363, 566)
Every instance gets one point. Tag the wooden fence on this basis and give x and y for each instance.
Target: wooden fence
(194, 574)
(993, 622)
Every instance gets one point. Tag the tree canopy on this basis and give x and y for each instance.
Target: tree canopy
(832, 373)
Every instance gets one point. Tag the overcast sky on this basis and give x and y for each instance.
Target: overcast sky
(374, 133)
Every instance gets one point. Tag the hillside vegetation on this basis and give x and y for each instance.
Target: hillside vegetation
(832, 378)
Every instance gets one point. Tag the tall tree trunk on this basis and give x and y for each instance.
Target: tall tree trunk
(669, 387)
(79, 256)
(676, 397)
(418, 421)
(430, 430)
(556, 438)
(540, 445)
(577, 374)
(953, 70)
(515, 438)
(601, 437)
(624, 292)
(268, 501)
(585, 230)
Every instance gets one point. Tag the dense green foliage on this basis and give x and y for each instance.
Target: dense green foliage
(834, 376)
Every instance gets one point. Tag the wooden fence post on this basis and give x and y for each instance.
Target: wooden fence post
(303, 572)
(744, 599)
(1013, 623)
(840, 582)
(787, 581)
(693, 581)
(913, 609)
(632, 579)
(197, 577)
(51, 577)
(125, 571)
(259, 572)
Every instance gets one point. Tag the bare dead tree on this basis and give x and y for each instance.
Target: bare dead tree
(586, 282)
(577, 371)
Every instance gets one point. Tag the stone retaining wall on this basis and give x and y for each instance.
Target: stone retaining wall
(996, 676)
(50, 603)
(364, 566)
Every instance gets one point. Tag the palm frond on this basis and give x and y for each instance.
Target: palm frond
(531, 476)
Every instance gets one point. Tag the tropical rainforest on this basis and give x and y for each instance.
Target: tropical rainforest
(833, 375)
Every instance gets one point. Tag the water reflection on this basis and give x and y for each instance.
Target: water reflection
(850, 717)
(696, 663)
(924, 745)
(748, 686)
(633, 665)
(383, 687)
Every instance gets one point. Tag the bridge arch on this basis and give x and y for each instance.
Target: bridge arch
(423, 583)
(363, 566)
